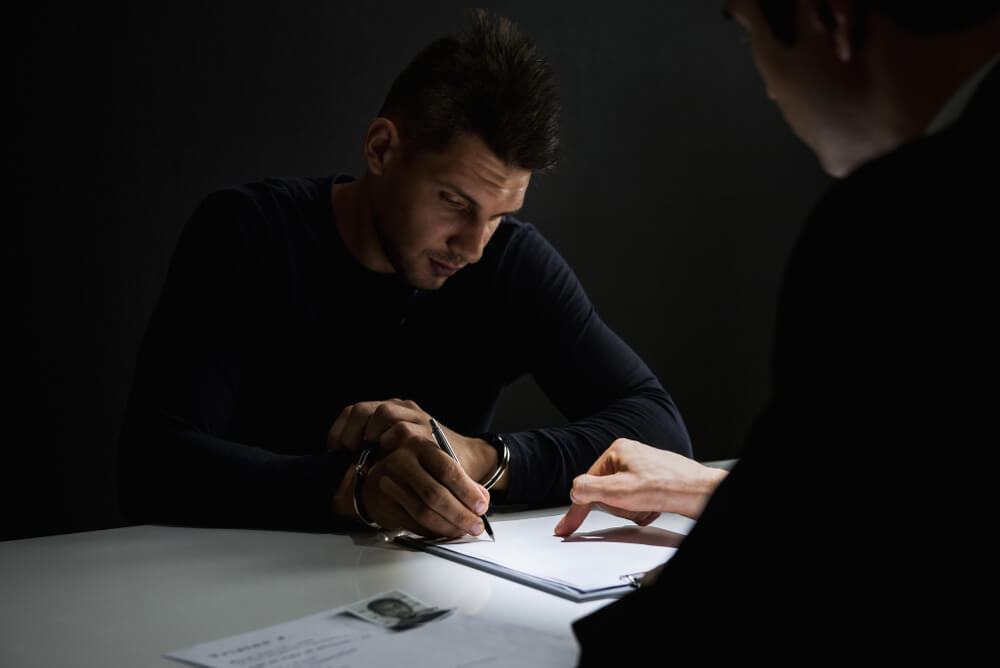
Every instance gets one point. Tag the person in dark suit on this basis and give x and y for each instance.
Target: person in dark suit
(859, 515)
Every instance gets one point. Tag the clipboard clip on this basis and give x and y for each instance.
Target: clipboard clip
(633, 579)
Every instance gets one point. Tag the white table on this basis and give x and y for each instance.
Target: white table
(124, 597)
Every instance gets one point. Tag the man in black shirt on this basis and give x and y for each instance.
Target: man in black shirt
(309, 328)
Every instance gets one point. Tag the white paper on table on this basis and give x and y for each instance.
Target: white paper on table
(334, 639)
(600, 554)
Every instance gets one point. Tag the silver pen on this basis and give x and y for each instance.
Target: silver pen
(443, 443)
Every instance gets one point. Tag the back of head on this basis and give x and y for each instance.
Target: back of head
(936, 16)
(489, 81)
(925, 17)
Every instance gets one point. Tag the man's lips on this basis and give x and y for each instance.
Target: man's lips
(443, 268)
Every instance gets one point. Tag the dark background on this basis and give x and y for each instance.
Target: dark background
(677, 199)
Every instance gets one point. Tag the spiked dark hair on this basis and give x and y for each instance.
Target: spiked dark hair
(489, 81)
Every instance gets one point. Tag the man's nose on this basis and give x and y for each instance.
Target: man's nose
(471, 239)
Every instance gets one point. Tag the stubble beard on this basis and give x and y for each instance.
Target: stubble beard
(407, 271)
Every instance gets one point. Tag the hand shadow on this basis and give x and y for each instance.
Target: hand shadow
(629, 534)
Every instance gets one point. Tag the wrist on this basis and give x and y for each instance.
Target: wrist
(361, 469)
(499, 471)
(343, 505)
(348, 501)
(686, 491)
(712, 478)
(707, 483)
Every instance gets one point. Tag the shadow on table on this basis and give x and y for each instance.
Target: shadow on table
(629, 534)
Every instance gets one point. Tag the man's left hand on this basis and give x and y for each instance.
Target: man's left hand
(392, 423)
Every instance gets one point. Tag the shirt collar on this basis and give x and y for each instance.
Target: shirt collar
(953, 108)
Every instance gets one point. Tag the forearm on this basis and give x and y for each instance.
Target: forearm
(588, 372)
(170, 472)
(544, 462)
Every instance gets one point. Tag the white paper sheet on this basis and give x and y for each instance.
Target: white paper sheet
(598, 555)
(335, 639)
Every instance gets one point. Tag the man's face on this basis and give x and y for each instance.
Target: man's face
(800, 78)
(437, 211)
(391, 608)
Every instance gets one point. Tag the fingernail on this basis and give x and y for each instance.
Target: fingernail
(477, 528)
(480, 507)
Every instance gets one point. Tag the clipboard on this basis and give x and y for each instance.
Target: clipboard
(605, 558)
(630, 581)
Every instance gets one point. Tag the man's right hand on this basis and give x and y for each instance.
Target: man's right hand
(412, 484)
(420, 488)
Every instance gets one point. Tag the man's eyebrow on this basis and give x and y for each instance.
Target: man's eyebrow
(458, 191)
(473, 203)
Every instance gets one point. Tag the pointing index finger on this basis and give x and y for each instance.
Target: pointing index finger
(573, 518)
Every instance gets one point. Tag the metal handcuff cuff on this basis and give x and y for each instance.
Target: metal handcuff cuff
(503, 458)
(361, 469)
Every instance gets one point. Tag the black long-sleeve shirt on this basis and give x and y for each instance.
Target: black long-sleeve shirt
(267, 327)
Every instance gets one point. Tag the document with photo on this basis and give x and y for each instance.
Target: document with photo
(396, 610)
(407, 632)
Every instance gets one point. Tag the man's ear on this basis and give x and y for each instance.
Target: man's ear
(839, 19)
(381, 145)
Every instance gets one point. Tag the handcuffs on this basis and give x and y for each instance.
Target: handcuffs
(362, 468)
